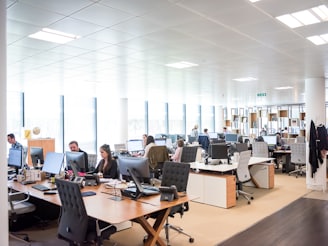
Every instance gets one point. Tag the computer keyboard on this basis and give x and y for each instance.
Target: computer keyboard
(40, 187)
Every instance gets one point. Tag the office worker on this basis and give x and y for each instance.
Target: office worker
(107, 166)
(12, 140)
(194, 132)
(74, 147)
(280, 141)
(149, 143)
(177, 154)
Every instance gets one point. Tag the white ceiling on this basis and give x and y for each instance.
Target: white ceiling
(125, 45)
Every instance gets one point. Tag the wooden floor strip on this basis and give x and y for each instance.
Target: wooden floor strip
(303, 222)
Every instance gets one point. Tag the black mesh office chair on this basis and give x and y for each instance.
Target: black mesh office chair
(75, 226)
(176, 173)
(189, 154)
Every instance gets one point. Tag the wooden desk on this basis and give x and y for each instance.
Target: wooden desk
(116, 211)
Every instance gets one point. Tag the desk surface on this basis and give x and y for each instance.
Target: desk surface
(227, 167)
(101, 205)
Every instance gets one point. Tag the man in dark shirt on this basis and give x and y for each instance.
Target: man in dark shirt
(74, 146)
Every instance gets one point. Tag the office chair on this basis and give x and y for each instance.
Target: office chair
(75, 226)
(189, 154)
(18, 207)
(243, 175)
(298, 158)
(204, 142)
(176, 173)
(260, 149)
(92, 159)
(157, 155)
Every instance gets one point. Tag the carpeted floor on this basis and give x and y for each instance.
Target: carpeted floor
(209, 225)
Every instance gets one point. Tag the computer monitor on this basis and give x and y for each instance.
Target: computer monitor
(213, 135)
(173, 137)
(219, 151)
(138, 165)
(53, 163)
(160, 141)
(270, 140)
(231, 138)
(221, 135)
(135, 145)
(76, 158)
(36, 154)
(15, 159)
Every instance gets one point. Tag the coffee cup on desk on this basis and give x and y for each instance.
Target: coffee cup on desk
(20, 178)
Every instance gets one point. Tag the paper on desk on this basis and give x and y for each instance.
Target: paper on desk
(115, 183)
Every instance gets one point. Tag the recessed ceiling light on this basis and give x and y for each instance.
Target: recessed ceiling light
(284, 88)
(54, 36)
(182, 64)
(245, 79)
(253, 1)
(305, 17)
(317, 40)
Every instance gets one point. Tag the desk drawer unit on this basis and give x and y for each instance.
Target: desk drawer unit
(213, 189)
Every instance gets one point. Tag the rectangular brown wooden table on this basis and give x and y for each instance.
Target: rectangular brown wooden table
(102, 206)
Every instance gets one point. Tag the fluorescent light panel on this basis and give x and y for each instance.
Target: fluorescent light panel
(54, 36)
(181, 64)
(284, 88)
(245, 79)
(305, 17)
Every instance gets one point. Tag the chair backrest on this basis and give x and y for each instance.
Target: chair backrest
(73, 223)
(243, 173)
(189, 154)
(204, 141)
(157, 155)
(298, 153)
(92, 159)
(176, 173)
(260, 149)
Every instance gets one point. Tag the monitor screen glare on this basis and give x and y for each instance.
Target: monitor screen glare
(135, 145)
(231, 138)
(160, 142)
(270, 140)
(53, 163)
(213, 134)
(15, 158)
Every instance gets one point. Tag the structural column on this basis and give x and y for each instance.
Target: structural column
(123, 120)
(3, 123)
(315, 110)
(220, 119)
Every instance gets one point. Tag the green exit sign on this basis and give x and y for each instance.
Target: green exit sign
(262, 94)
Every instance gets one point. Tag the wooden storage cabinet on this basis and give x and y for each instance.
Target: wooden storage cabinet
(48, 145)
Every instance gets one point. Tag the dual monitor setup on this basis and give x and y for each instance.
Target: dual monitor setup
(52, 164)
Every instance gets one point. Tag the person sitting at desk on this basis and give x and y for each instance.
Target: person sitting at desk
(12, 140)
(149, 143)
(280, 141)
(74, 147)
(107, 165)
(177, 154)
